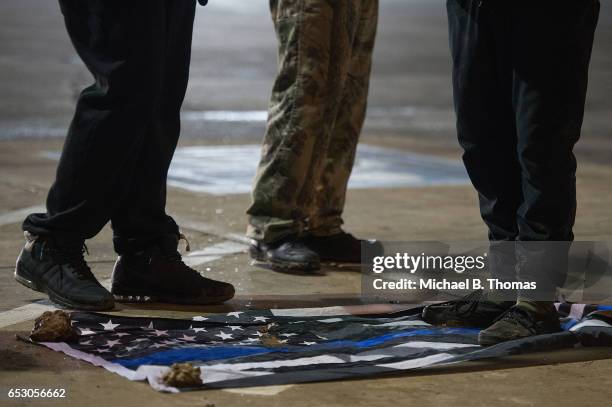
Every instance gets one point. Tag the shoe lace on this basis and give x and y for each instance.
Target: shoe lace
(519, 315)
(471, 300)
(177, 258)
(74, 256)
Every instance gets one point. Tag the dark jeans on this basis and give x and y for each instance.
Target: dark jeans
(126, 126)
(520, 71)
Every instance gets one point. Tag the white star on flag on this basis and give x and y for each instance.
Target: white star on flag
(188, 338)
(308, 343)
(102, 350)
(120, 334)
(112, 343)
(109, 326)
(224, 336)
(198, 329)
(235, 314)
(150, 326)
(252, 339)
(160, 333)
(199, 318)
(86, 331)
(235, 327)
(262, 319)
(85, 342)
(131, 348)
(287, 335)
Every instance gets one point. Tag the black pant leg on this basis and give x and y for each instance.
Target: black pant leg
(482, 88)
(122, 46)
(551, 52)
(141, 218)
(551, 47)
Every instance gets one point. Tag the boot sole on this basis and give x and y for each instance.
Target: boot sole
(152, 299)
(53, 296)
(126, 294)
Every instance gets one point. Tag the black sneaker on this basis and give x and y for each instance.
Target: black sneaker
(157, 275)
(342, 247)
(61, 273)
(289, 254)
(519, 322)
(473, 310)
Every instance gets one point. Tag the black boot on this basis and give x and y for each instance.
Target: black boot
(474, 310)
(342, 247)
(289, 254)
(61, 273)
(158, 274)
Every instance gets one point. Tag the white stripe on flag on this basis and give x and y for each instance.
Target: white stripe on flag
(577, 311)
(273, 364)
(435, 345)
(590, 322)
(421, 362)
(310, 312)
(401, 323)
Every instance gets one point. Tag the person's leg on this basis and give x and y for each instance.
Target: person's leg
(312, 53)
(141, 216)
(482, 89)
(482, 86)
(119, 43)
(312, 56)
(551, 53)
(552, 47)
(325, 235)
(333, 176)
(149, 268)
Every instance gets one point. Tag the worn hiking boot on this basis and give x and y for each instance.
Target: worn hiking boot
(158, 274)
(520, 322)
(61, 273)
(342, 247)
(473, 310)
(289, 254)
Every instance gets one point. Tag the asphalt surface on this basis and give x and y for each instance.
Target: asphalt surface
(234, 62)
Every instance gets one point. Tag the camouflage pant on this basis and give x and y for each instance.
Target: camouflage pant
(316, 113)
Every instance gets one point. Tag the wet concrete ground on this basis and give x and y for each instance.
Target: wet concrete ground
(234, 62)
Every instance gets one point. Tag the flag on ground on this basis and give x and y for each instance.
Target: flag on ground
(269, 347)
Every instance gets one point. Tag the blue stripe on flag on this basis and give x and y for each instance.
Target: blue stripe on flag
(204, 354)
(168, 357)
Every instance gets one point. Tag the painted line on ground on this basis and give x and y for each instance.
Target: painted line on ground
(208, 229)
(25, 313)
(260, 391)
(17, 216)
